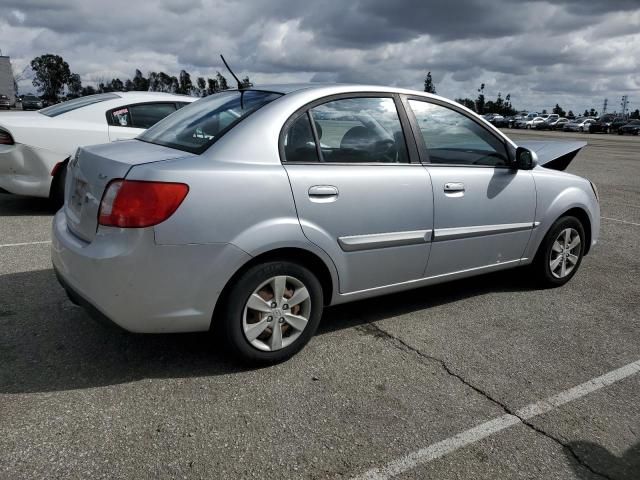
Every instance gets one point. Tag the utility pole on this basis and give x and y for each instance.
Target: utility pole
(604, 106)
(624, 104)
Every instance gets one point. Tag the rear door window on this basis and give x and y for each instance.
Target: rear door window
(360, 130)
(299, 143)
(146, 115)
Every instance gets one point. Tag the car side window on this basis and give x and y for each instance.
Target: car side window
(455, 139)
(299, 144)
(147, 115)
(360, 130)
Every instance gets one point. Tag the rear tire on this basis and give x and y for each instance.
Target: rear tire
(284, 329)
(560, 253)
(56, 195)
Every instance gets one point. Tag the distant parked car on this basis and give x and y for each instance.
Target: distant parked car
(35, 147)
(31, 102)
(581, 124)
(534, 123)
(549, 120)
(5, 102)
(617, 123)
(526, 121)
(559, 124)
(633, 128)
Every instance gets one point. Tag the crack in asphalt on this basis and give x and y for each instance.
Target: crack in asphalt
(402, 345)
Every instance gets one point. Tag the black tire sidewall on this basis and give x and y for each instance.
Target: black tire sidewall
(56, 197)
(544, 252)
(244, 286)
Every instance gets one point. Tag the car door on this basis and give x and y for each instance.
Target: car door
(358, 194)
(130, 121)
(484, 209)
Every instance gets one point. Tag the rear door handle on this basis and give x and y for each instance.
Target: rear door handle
(323, 193)
(454, 187)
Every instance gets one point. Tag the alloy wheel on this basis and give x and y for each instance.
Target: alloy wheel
(565, 253)
(276, 313)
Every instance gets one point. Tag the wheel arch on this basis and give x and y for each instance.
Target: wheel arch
(304, 257)
(55, 173)
(582, 215)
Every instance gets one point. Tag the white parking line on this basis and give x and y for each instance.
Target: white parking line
(475, 434)
(621, 221)
(24, 243)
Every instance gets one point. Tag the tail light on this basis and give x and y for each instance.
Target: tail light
(6, 138)
(135, 204)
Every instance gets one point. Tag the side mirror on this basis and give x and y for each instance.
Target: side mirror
(525, 159)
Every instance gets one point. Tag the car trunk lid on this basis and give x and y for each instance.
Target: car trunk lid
(91, 170)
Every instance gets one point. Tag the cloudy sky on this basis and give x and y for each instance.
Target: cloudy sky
(575, 52)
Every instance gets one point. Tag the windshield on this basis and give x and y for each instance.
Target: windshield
(64, 107)
(30, 97)
(197, 126)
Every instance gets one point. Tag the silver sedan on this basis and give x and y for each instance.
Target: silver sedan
(249, 211)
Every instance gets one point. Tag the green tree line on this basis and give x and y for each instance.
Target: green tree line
(51, 74)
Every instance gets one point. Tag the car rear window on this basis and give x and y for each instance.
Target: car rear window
(197, 126)
(64, 107)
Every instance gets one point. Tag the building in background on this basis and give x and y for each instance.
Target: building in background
(6, 79)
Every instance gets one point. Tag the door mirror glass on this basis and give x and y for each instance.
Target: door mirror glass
(525, 159)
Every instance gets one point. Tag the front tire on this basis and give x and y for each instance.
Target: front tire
(560, 253)
(271, 312)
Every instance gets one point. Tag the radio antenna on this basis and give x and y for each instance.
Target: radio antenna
(240, 84)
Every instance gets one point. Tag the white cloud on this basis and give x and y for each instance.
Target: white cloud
(571, 52)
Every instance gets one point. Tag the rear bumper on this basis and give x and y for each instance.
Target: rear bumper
(79, 300)
(123, 276)
(26, 170)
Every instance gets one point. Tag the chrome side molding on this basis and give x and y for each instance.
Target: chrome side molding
(383, 240)
(441, 234)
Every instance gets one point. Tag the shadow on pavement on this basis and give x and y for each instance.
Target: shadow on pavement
(48, 344)
(18, 206)
(601, 460)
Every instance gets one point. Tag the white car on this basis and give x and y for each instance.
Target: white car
(36, 146)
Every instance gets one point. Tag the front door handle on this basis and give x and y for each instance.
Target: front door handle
(454, 187)
(323, 193)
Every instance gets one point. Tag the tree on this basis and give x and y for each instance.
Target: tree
(88, 90)
(74, 85)
(429, 87)
(51, 73)
(467, 102)
(185, 85)
(558, 110)
(570, 114)
(635, 114)
(153, 82)
(245, 82)
(544, 111)
(116, 85)
(593, 113)
(212, 86)
(586, 113)
(201, 85)
(222, 82)
(480, 100)
(140, 84)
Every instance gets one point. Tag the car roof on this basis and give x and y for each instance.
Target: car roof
(141, 96)
(334, 88)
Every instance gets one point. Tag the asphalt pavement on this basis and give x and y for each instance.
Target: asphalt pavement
(488, 377)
